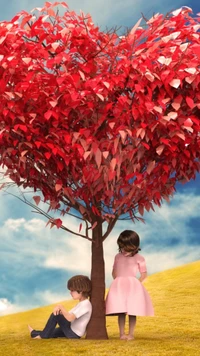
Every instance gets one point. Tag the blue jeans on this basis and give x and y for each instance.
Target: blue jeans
(51, 331)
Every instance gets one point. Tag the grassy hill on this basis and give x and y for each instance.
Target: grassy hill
(173, 331)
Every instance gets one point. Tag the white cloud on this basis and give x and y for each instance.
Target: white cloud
(14, 224)
(4, 304)
(6, 307)
(169, 258)
(34, 225)
(73, 254)
(47, 297)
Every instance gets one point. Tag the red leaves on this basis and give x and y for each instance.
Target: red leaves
(190, 102)
(196, 49)
(47, 155)
(98, 157)
(160, 149)
(48, 114)
(94, 225)
(38, 144)
(54, 222)
(58, 187)
(150, 167)
(21, 127)
(175, 83)
(82, 125)
(37, 199)
(95, 211)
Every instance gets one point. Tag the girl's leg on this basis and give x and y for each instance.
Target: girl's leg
(121, 323)
(132, 323)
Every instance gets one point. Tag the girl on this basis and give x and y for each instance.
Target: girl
(127, 295)
(72, 323)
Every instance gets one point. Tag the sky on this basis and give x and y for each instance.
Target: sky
(36, 262)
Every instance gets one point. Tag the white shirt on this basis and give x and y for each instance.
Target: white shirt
(82, 312)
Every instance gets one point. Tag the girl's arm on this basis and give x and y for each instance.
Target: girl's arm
(113, 273)
(59, 309)
(143, 276)
(114, 265)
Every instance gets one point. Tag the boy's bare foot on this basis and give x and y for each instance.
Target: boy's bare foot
(123, 337)
(30, 328)
(130, 337)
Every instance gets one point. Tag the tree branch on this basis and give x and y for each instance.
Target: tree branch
(43, 213)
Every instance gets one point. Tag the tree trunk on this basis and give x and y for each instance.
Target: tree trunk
(97, 326)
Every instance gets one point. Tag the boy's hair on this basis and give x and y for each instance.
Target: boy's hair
(81, 284)
(129, 241)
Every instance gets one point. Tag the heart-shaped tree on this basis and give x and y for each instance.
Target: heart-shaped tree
(102, 125)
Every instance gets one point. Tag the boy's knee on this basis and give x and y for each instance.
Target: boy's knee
(53, 316)
(57, 316)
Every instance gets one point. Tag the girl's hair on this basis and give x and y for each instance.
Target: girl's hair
(81, 284)
(129, 241)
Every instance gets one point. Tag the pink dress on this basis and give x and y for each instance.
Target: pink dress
(127, 294)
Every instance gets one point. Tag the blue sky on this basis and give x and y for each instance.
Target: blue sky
(35, 262)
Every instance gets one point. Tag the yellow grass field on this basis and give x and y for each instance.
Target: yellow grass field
(175, 329)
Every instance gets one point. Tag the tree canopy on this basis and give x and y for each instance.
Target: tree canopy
(94, 117)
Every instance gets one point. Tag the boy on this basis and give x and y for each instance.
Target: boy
(71, 324)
